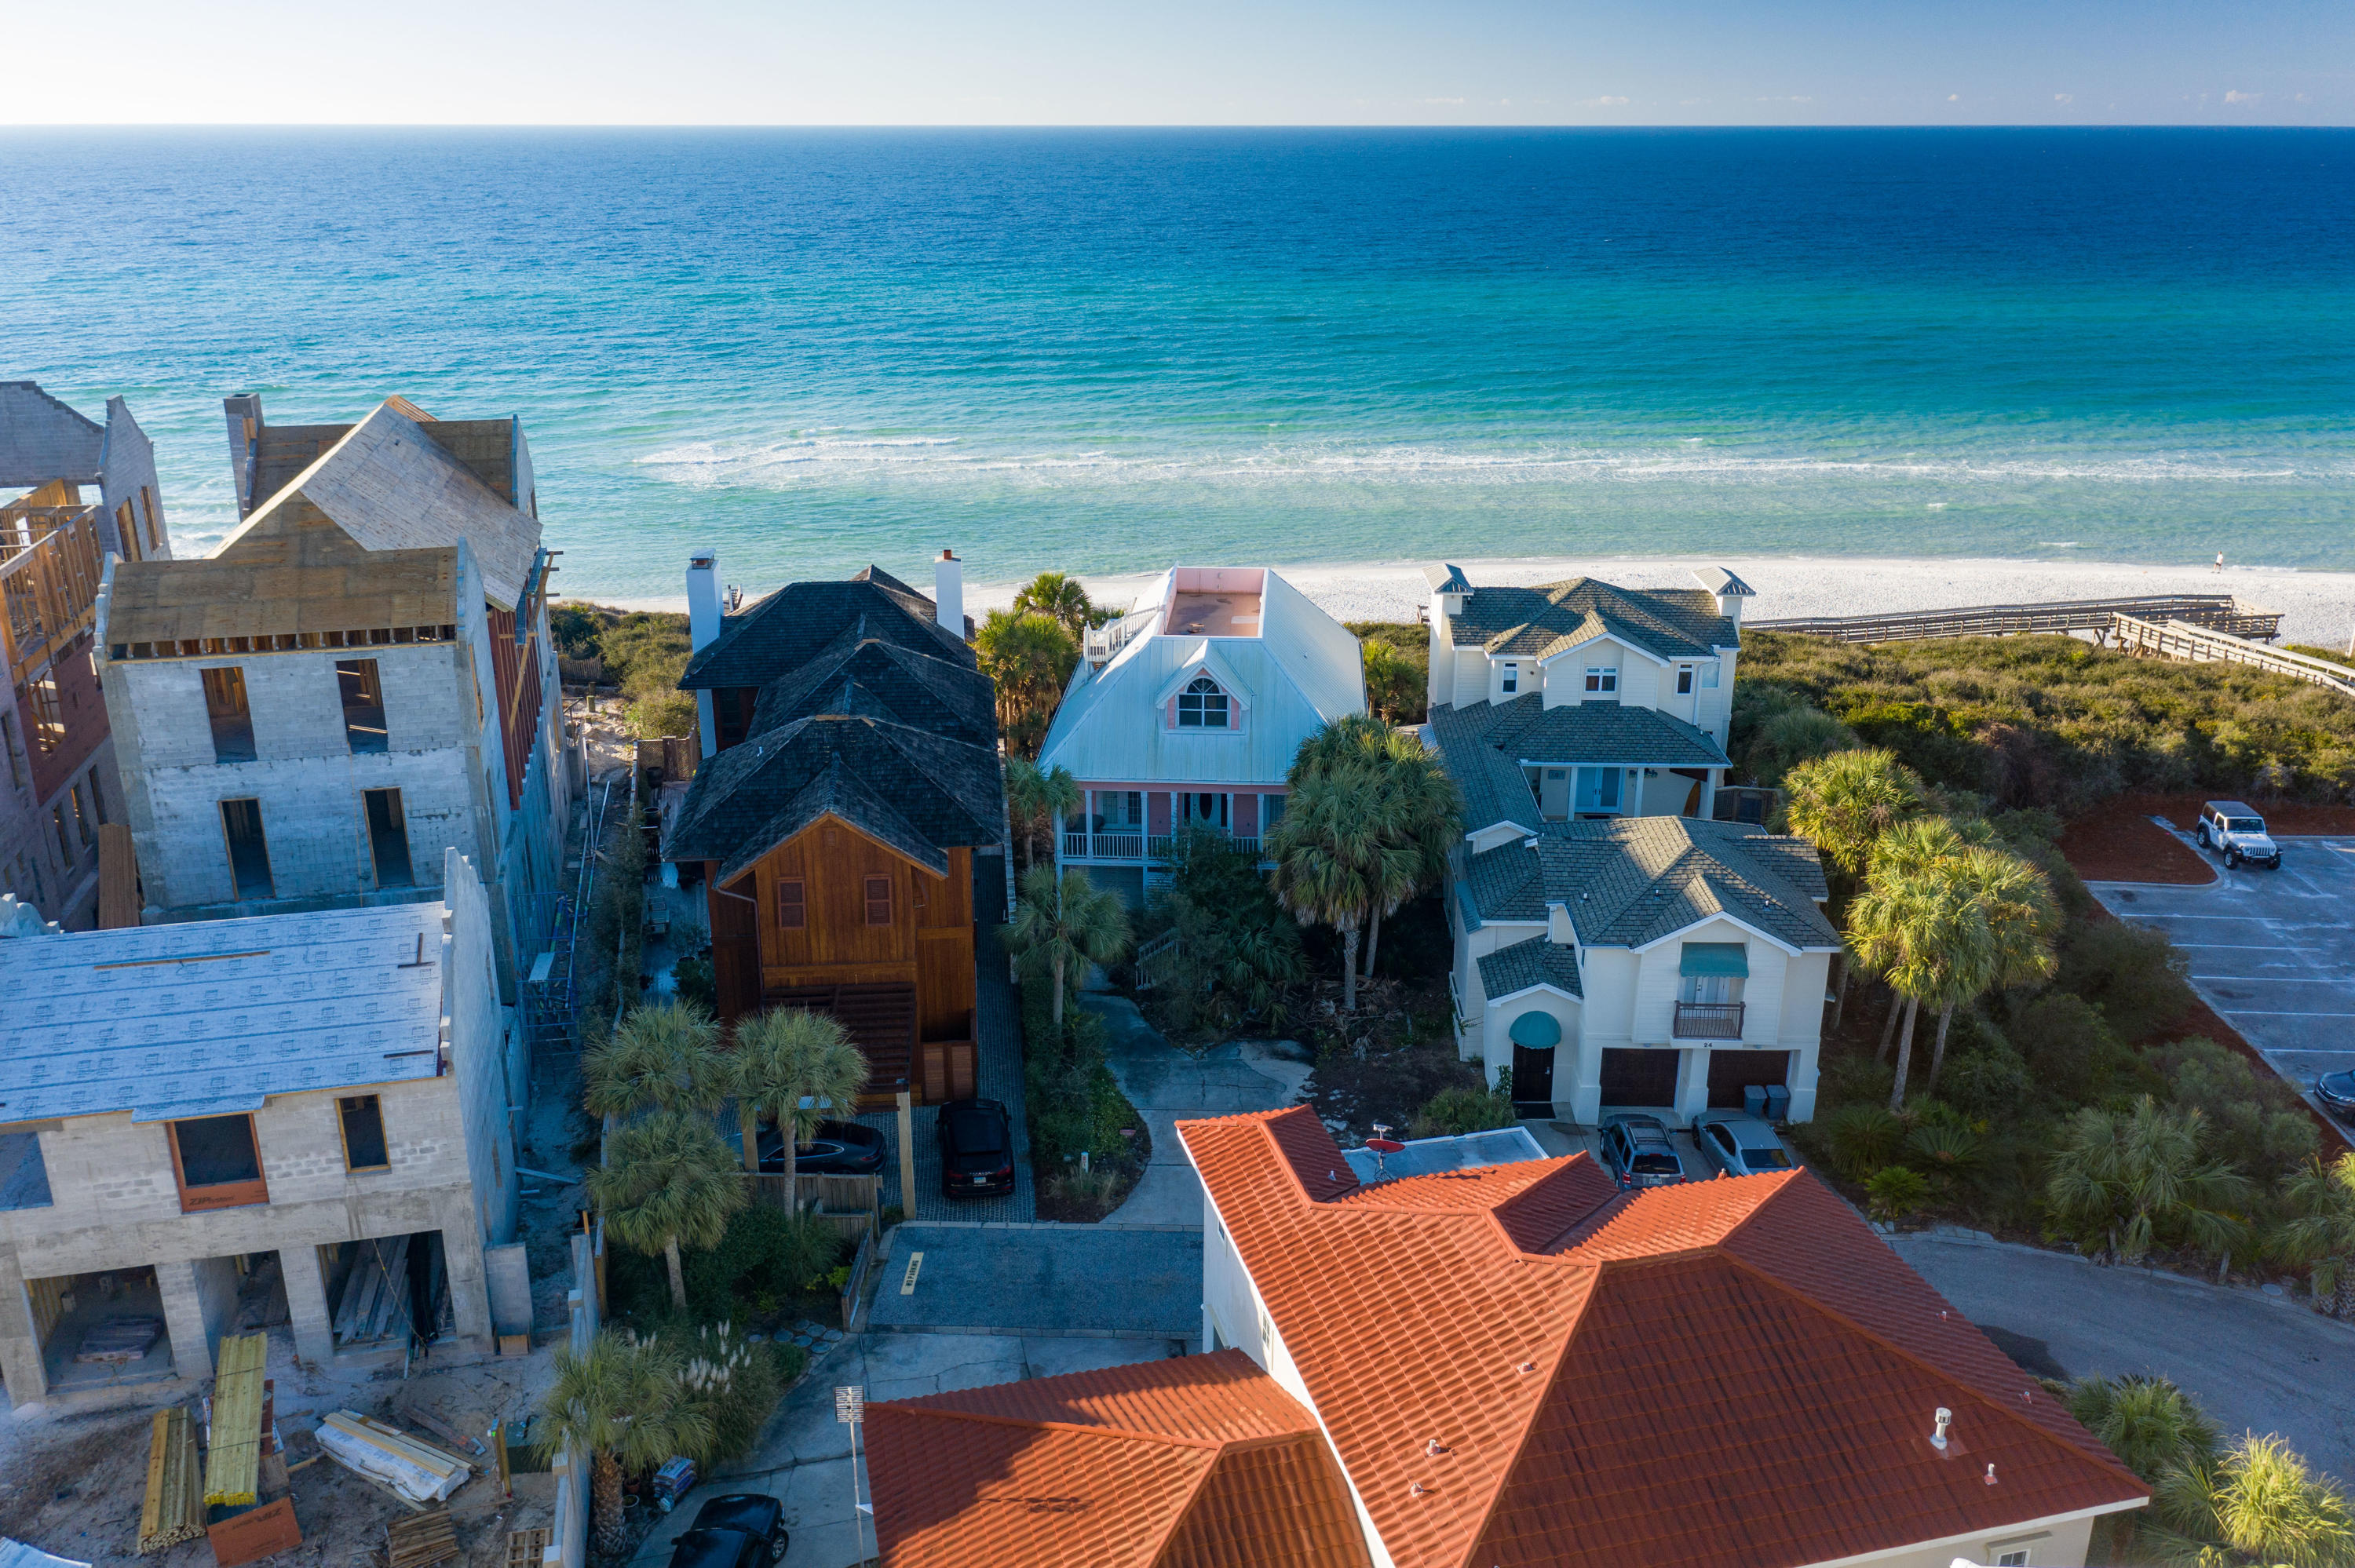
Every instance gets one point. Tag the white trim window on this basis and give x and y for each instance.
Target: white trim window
(1204, 704)
(1684, 680)
(1603, 679)
(1511, 678)
(1708, 677)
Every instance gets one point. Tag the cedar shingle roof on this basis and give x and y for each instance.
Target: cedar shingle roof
(1198, 1462)
(1726, 1374)
(795, 625)
(1535, 622)
(875, 678)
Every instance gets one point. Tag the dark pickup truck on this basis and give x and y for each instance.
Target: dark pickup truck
(743, 1531)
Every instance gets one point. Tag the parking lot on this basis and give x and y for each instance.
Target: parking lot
(2272, 951)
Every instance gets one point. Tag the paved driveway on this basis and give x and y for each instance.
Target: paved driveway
(2253, 1362)
(1167, 1085)
(2273, 951)
(1042, 1280)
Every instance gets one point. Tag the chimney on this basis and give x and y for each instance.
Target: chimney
(948, 594)
(702, 631)
(1727, 590)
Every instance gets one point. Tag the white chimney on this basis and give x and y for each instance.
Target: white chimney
(703, 630)
(1727, 590)
(948, 593)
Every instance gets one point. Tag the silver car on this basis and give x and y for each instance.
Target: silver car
(1740, 1144)
(1638, 1152)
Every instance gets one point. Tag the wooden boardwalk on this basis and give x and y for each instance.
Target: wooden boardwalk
(2215, 612)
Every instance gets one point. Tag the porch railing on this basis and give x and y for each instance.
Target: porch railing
(1135, 847)
(1707, 1021)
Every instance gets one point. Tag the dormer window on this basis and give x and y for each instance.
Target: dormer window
(1512, 679)
(1603, 679)
(1203, 705)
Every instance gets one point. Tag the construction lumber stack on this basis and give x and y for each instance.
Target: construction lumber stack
(376, 1299)
(417, 1470)
(174, 1510)
(422, 1539)
(233, 1462)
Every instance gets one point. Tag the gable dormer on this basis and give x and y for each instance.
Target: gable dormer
(1203, 697)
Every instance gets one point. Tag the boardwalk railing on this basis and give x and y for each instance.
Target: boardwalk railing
(2215, 612)
(2182, 640)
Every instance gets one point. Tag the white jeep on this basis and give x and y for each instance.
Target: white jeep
(2238, 834)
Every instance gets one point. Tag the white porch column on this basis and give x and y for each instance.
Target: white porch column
(1692, 1083)
(1709, 792)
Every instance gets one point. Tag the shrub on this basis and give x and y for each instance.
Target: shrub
(693, 978)
(1237, 949)
(658, 713)
(1461, 1109)
(1798, 735)
(1987, 1084)
(1095, 1192)
(767, 1257)
(2066, 1043)
(1942, 1148)
(1862, 1139)
(2254, 1121)
(733, 1383)
(2135, 976)
(1856, 1079)
(1893, 1192)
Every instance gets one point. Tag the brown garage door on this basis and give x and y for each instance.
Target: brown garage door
(1731, 1072)
(1636, 1077)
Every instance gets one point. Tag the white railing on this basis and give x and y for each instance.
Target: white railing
(2182, 640)
(1103, 846)
(1103, 644)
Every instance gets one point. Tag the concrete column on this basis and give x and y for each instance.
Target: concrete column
(462, 1256)
(1708, 794)
(1692, 1083)
(20, 1347)
(184, 1318)
(306, 1301)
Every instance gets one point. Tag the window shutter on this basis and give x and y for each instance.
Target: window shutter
(878, 901)
(792, 910)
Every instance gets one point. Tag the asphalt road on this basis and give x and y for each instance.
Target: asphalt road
(2253, 1362)
(2273, 951)
(1042, 1280)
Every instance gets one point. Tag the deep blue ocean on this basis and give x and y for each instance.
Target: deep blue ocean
(1102, 350)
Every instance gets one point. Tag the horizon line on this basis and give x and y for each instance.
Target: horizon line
(53, 126)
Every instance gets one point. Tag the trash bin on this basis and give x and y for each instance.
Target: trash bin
(1778, 1103)
(1753, 1099)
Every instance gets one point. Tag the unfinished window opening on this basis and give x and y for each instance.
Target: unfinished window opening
(15, 748)
(363, 704)
(127, 531)
(363, 1121)
(49, 714)
(388, 830)
(878, 901)
(792, 905)
(100, 1329)
(147, 508)
(248, 852)
(96, 797)
(65, 840)
(387, 1290)
(224, 708)
(84, 824)
(217, 1163)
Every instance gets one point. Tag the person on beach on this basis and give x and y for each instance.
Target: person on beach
(2220, 560)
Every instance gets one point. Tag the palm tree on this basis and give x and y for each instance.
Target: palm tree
(1351, 737)
(1419, 804)
(1029, 656)
(619, 1403)
(665, 1057)
(1040, 801)
(1842, 804)
(1913, 929)
(2258, 1506)
(2148, 1422)
(1060, 597)
(1342, 853)
(672, 1183)
(1063, 924)
(1391, 679)
(2141, 1177)
(2320, 1233)
(2012, 907)
(798, 1064)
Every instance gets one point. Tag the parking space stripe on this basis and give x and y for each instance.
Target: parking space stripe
(2295, 1013)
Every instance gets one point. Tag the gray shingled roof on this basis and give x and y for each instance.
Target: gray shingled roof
(1446, 578)
(793, 626)
(1592, 732)
(1536, 961)
(877, 679)
(42, 439)
(1635, 880)
(1505, 884)
(1534, 623)
(1492, 784)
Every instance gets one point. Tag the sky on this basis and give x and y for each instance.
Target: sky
(1200, 62)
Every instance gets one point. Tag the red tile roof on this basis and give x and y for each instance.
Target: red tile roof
(1196, 1462)
(1734, 1373)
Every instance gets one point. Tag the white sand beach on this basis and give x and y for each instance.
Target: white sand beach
(2318, 607)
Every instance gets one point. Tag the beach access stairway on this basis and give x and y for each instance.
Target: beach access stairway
(2215, 612)
(2202, 629)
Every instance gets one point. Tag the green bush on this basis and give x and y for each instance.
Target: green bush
(767, 1257)
(1990, 1083)
(1798, 735)
(695, 981)
(1074, 1102)
(2254, 1121)
(1894, 1192)
(1461, 1109)
(1862, 1139)
(2135, 976)
(732, 1382)
(2066, 1043)
(1237, 948)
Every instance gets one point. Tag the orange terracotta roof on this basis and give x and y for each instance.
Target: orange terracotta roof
(1196, 1462)
(1734, 1373)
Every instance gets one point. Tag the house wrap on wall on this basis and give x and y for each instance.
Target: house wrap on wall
(91, 493)
(299, 1118)
(355, 681)
(1615, 946)
(1187, 710)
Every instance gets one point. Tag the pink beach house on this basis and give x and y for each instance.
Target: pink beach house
(1188, 709)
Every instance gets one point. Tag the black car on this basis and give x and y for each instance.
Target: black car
(2337, 1093)
(743, 1530)
(837, 1149)
(976, 1148)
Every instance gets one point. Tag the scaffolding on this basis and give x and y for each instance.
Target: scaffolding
(552, 1012)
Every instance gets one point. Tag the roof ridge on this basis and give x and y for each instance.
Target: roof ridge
(1526, 1429)
(2100, 1452)
(1086, 1429)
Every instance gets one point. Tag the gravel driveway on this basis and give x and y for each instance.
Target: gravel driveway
(2255, 1363)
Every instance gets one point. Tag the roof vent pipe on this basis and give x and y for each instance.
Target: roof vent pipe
(1945, 1418)
(948, 594)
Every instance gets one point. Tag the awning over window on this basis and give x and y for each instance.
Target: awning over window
(1715, 959)
(1538, 1030)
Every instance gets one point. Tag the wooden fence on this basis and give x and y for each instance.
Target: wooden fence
(861, 1266)
(852, 1205)
(2182, 640)
(2215, 612)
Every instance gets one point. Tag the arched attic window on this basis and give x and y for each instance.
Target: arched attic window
(1203, 705)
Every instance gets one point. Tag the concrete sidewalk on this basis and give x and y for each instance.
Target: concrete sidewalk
(1042, 1280)
(1167, 1085)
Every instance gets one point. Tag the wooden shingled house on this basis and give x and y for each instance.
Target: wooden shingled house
(848, 820)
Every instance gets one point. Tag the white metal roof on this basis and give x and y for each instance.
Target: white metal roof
(1300, 669)
(209, 1017)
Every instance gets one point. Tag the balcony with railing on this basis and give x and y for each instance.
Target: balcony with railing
(1707, 1021)
(1131, 846)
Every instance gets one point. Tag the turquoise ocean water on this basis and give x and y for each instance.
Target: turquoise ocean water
(1104, 350)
